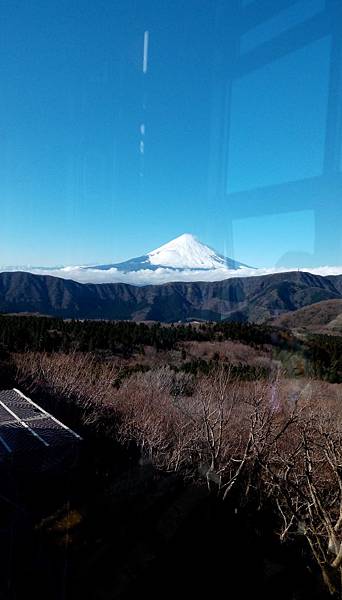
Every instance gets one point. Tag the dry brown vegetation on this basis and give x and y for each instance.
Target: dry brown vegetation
(235, 352)
(321, 317)
(269, 441)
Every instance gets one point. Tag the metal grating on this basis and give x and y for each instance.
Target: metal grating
(18, 438)
(51, 432)
(26, 427)
(22, 409)
(5, 415)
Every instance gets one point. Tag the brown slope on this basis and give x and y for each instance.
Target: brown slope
(323, 316)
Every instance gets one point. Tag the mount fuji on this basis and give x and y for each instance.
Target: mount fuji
(184, 253)
(183, 259)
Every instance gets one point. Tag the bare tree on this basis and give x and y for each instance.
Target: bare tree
(261, 438)
(303, 473)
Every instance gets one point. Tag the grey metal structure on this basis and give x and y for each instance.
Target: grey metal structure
(30, 436)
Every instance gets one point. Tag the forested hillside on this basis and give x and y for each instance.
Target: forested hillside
(253, 299)
(314, 355)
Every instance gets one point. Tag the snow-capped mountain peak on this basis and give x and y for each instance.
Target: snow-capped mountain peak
(184, 258)
(186, 252)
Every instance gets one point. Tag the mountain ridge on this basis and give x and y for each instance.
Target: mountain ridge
(256, 298)
(320, 317)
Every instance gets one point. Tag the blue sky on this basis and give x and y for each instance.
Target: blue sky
(75, 107)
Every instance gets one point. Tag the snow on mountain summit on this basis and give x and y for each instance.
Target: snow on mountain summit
(186, 252)
(184, 258)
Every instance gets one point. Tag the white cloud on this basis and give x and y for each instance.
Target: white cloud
(162, 275)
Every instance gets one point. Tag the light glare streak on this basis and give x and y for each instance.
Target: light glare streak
(145, 55)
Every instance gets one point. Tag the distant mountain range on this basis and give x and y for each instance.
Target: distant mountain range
(257, 298)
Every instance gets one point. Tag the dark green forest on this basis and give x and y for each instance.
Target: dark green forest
(54, 334)
(322, 353)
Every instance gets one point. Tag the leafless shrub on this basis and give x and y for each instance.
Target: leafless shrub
(304, 476)
(273, 439)
(75, 376)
